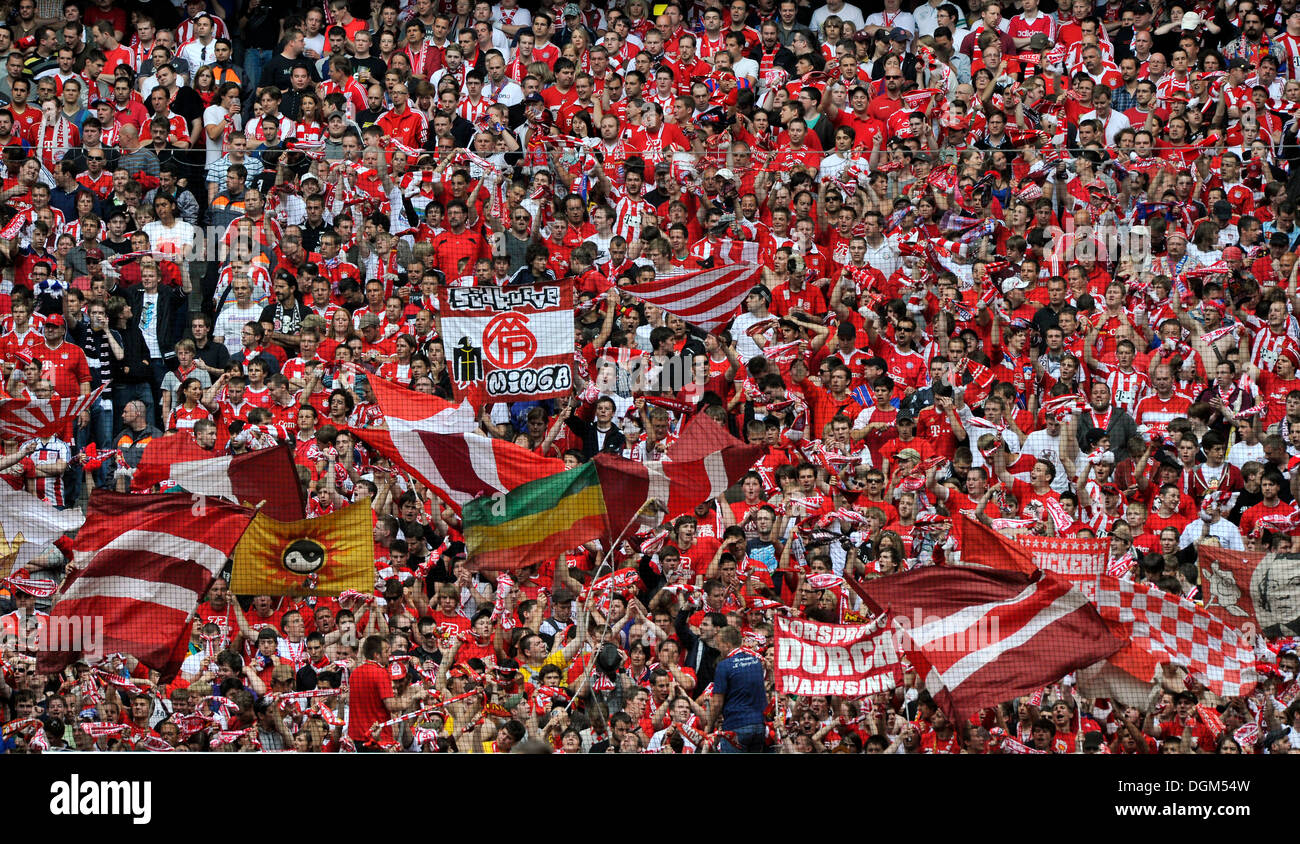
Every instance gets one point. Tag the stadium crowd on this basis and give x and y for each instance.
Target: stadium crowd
(1032, 264)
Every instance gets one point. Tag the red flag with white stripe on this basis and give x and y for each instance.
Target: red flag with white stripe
(427, 437)
(26, 419)
(980, 636)
(265, 475)
(702, 464)
(707, 298)
(144, 562)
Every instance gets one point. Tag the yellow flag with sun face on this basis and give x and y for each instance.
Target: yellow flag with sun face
(312, 557)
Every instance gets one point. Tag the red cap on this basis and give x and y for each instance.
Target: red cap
(397, 670)
(1233, 253)
(55, 319)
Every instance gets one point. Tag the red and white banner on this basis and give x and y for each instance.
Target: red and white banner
(1080, 561)
(852, 660)
(707, 298)
(26, 419)
(143, 563)
(509, 343)
(981, 636)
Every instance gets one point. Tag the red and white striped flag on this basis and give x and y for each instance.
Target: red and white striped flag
(702, 464)
(26, 419)
(427, 437)
(707, 298)
(979, 636)
(143, 564)
(265, 475)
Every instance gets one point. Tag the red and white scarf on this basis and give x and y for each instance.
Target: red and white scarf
(53, 141)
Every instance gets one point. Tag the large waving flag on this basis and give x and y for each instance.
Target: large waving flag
(980, 636)
(142, 565)
(702, 464)
(266, 476)
(431, 438)
(536, 521)
(323, 556)
(707, 298)
(27, 419)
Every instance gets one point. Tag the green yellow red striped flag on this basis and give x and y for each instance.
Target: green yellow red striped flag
(536, 521)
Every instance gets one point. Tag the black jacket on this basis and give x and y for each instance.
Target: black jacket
(696, 655)
(783, 58)
(173, 309)
(134, 366)
(1120, 429)
(615, 442)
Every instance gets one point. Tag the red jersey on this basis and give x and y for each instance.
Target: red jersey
(369, 686)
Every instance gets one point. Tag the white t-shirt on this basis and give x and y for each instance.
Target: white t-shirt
(314, 44)
(177, 239)
(746, 348)
(1240, 454)
(149, 323)
(215, 115)
(601, 244)
(848, 12)
(745, 69)
(1043, 446)
(230, 325)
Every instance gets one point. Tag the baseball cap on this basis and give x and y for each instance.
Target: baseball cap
(1238, 63)
(1233, 253)
(571, 10)
(1039, 41)
(1191, 20)
(368, 320)
(1140, 8)
(397, 670)
(907, 417)
(1222, 209)
(533, 98)
(899, 34)
(55, 319)
(180, 66)
(1015, 282)
(95, 253)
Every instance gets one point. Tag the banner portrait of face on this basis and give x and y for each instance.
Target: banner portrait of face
(1275, 590)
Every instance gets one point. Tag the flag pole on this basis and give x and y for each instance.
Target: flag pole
(591, 668)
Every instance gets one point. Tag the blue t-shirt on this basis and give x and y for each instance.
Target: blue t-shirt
(740, 678)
